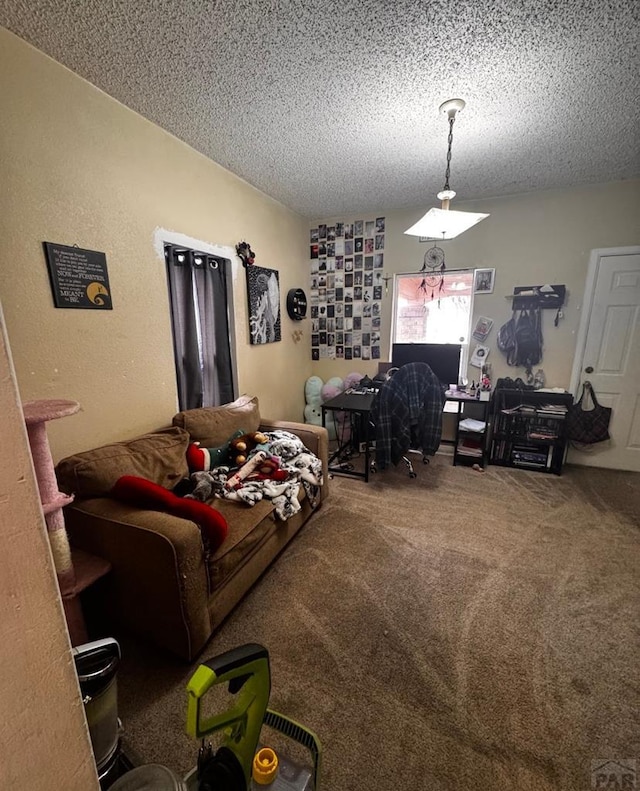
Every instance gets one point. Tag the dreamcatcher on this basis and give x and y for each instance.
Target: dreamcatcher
(432, 272)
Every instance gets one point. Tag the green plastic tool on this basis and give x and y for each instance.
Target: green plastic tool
(247, 671)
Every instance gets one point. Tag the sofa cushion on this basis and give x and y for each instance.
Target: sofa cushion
(248, 528)
(160, 457)
(212, 426)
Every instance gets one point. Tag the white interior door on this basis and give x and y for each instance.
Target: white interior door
(608, 354)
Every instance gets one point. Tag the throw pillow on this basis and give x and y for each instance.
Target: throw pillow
(145, 494)
(212, 425)
(159, 457)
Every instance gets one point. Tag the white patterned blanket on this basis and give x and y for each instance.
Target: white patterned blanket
(303, 469)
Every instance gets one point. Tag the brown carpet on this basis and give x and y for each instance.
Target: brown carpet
(467, 631)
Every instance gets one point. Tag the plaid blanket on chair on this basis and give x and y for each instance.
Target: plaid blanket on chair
(407, 411)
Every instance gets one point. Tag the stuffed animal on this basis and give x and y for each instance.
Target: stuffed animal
(352, 380)
(332, 388)
(202, 459)
(240, 447)
(259, 467)
(313, 397)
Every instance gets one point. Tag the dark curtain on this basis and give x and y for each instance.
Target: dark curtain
(198, 292)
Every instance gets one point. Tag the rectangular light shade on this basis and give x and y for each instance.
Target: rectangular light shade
(444, 223)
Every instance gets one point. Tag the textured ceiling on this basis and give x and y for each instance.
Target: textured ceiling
(331, 106)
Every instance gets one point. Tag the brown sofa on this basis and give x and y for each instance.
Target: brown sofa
(162, 586)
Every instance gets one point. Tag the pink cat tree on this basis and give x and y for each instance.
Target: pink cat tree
(76, 570)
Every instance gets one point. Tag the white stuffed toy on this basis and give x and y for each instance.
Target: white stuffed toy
(313, 397)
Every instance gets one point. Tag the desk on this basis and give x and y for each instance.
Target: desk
(359, 406)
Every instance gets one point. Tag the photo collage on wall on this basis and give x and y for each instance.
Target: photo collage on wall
(347, 261)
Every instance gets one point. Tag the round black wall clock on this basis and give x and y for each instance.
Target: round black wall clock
(296, 304)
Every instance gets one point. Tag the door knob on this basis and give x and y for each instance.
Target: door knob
(589, 369)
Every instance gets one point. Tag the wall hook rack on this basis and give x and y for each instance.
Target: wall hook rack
(545, 296)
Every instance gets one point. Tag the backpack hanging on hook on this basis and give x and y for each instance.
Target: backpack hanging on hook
(528, 338)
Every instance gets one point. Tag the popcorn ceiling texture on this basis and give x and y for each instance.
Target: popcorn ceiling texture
(332, 107)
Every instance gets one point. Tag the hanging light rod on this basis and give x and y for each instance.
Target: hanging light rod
(441, 224)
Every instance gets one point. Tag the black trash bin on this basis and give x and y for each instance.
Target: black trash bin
(96, 666)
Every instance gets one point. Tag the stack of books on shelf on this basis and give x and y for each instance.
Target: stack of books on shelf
(542, 432)
(553, 410)
(469, 446)
(471, 443)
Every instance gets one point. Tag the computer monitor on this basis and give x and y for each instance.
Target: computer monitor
(443, 358)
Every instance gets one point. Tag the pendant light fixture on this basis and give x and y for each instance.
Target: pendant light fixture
(441, 224)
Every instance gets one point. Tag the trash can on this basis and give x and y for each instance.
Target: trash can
(152, 777)
(96, 665)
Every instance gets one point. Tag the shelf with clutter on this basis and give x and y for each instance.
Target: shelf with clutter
(528, 429)
(544, 297)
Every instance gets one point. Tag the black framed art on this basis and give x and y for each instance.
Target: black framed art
(263, 292)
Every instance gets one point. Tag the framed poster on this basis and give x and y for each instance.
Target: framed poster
(483, 281)
(79, 278)
(263, 291)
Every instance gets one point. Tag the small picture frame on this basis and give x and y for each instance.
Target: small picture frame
(483, 280)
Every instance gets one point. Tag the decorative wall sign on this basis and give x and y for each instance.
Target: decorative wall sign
(479, 356)
(482, 328)
(263, 290)
(79, 278)
(347, 260)
(296, 304)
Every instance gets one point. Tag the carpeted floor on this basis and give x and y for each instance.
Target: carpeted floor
(463, 630)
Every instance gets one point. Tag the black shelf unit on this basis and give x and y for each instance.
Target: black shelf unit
(527, 435)
(470, 407)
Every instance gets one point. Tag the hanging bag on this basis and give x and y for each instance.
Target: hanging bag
(528, 338)
(506, 339)
(588, 426)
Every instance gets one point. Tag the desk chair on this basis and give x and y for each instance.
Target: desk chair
(407, 413)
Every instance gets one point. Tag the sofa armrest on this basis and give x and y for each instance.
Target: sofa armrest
(158, 586)
(315, 438)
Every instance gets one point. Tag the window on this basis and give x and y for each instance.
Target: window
(200, 298)
(433, 314)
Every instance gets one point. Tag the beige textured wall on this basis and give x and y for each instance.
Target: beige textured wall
(76, 167)
(44, 742)
(530, 239)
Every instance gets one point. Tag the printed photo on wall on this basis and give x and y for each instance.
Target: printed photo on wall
(483, 281)
(263, 291)
(346, 274)
(482, 328)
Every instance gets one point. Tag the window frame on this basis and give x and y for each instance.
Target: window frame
(465, 350)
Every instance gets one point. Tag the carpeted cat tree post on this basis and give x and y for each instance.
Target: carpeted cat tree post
(36, 415)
